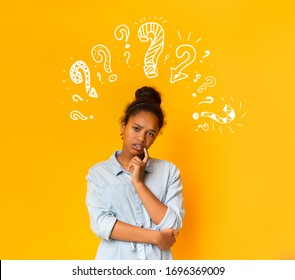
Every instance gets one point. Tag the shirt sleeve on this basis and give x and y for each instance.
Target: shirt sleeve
(102, 220)
(174, 201)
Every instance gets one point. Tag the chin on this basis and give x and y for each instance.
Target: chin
(137, 153)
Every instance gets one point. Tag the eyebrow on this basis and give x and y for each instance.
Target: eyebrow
(142, 127)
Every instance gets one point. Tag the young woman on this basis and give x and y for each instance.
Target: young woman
(135, 202)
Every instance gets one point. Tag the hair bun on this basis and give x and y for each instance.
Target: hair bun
(149, 95)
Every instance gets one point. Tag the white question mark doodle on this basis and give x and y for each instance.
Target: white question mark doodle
(128, 56)
(76, 98)
(230, 115)
(122, 31)
(154, 32)
(176, 73)
(76, 115)
(208, 100)
(210, 82)
(204, 126)
(77, 78)
(207, 53)
(101, 52)
(198, 76)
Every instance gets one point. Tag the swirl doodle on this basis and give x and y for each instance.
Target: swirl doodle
(76, 115)
(77, 98)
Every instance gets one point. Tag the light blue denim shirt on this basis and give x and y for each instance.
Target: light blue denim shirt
(111, 196)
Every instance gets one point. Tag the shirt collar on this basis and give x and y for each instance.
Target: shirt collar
(117, 168)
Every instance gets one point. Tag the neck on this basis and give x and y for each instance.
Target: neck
(124, 158)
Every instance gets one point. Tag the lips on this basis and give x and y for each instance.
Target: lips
(137, 147)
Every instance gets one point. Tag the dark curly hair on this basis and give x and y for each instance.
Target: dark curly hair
(146, 99)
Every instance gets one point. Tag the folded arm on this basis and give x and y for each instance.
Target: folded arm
(106, 226)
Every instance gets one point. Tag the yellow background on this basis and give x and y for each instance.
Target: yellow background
(238, 186)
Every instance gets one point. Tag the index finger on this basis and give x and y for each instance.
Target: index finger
(146, 156)
(175, 233)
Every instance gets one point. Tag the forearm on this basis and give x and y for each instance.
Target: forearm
(155, 208)
(126, 232)
(164, 239)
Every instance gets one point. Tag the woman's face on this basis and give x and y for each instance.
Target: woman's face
(140, 132)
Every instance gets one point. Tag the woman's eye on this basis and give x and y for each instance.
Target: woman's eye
(151, 134)
(135, 128)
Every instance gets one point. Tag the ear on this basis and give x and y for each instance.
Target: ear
(123, 126)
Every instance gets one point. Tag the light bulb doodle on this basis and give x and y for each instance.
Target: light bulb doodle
(101, 52)
(181, 51)
(207, 53)
(210, 82)
(128, 56)
(76, 115)
(152, 31)
(122, 31)
(77, 98)
(77, 78)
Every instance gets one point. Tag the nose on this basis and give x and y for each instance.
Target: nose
(141, 138)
